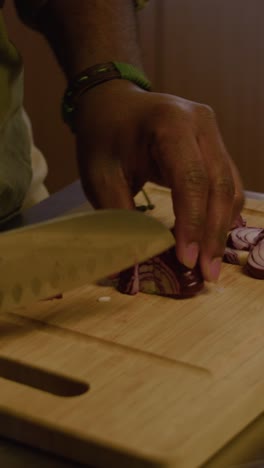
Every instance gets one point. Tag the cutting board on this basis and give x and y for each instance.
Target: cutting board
(140, 381)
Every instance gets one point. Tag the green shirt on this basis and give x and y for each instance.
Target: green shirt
(15, 161)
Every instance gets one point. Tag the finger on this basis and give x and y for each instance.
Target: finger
(220, 202)
(104, 182)
(239, 197)
(183, 169)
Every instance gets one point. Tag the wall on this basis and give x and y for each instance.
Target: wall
(213, 52)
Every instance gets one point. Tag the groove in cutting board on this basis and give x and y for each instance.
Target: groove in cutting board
(79, 336)
(35, 377)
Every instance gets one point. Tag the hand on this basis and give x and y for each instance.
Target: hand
(127, 136)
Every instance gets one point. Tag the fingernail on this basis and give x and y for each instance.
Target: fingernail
(214, 269)
(190, 256)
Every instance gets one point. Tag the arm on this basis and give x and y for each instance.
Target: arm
(83, 33)
(126, 136)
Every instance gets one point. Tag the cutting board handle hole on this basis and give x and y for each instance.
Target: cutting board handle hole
(47, 381)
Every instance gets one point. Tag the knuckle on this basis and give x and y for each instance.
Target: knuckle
(205, 114)
(195, 180)
(205, 111)
(168, 120)
(195, 220)
(225, 186)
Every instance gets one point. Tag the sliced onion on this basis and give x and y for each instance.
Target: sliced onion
(243, 238)
(163, 275)
(260, 236)
(128, 282)
(255, 264)
(236, 257)
(166, 276)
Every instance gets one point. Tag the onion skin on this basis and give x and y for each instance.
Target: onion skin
(163, 275)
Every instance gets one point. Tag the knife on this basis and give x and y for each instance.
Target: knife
(54, 256)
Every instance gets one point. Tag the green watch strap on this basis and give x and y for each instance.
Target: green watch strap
(129, 72)
(139, 4)
(94, 76)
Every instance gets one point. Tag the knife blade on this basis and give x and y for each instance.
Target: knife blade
(47, 258)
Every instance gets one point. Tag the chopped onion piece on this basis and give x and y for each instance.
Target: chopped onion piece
(236, 257)
(243, 238)
(255, 264)
(163, 275)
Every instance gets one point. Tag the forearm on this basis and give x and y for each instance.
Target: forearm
(83, 33)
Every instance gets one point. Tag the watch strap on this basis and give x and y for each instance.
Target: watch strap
(95, 75)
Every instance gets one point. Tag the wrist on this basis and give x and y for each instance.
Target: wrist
(95, 76)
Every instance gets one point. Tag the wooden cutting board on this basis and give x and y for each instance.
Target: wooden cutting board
(140, 381)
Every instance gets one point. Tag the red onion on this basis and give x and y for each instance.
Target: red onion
(166, 276)
(163, 275)
(243, 238)
(236, 257)
(128, 281)
(260, 236)
(255, 264)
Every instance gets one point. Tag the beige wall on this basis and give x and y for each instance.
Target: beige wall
(211, 51)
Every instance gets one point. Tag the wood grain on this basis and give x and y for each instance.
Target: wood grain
(171, 382)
